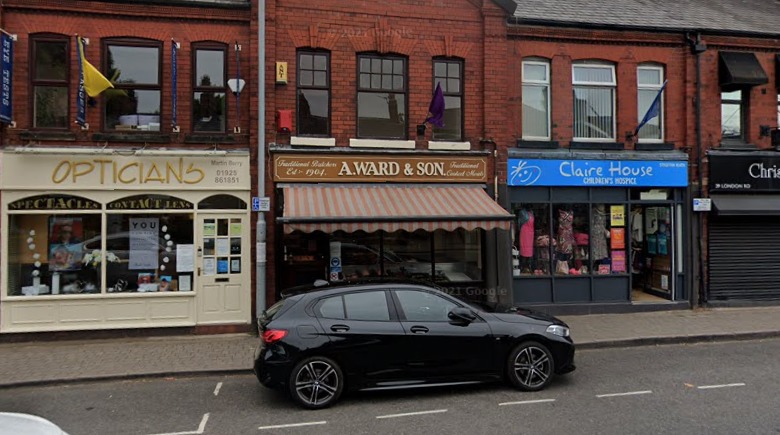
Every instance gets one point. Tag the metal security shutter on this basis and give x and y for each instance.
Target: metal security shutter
(744, 258)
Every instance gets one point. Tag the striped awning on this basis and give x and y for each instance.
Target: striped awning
(352, 208)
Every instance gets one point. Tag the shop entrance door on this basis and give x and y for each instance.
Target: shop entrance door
(653, 253)
(222, 268)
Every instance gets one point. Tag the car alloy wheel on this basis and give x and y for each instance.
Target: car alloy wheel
(530, 366)
(316, 382)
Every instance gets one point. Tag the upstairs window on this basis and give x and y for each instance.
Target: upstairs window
(381, 96)
(134, 67)
(536, 100)
(313, 94)
(732, 121)
(649, 80)
(594, 102)
(50, 76)
(449, 74)
(209, 102)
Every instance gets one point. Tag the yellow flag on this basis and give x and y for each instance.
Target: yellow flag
(94, 81)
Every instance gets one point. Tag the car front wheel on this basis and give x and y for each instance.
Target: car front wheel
(530, 366)
(316, 382)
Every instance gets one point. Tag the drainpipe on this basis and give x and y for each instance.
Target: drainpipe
(697, 48)
(260, 229)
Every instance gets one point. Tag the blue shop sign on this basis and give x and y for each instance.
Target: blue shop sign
(597, 173)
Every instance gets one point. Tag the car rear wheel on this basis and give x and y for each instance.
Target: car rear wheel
(316, 382)
(530, 366)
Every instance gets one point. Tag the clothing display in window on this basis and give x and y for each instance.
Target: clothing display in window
(525, 221)
(598, 243)
(566, 239)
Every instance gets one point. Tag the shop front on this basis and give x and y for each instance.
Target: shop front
(743, 226)
(402, 216)
(598, 227)
(118, 239)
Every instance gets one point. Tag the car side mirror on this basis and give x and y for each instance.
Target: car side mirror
(462, 315)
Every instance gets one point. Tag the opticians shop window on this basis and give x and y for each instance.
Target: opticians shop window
(66, 252)
(570, 239)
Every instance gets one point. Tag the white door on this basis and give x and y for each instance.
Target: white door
(222, 268)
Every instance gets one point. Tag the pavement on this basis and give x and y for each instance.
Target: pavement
(52, 362)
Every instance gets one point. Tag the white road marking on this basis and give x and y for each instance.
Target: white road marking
(282, 426)
(631, 393)
(216, 391)
(200, 430)
(407, 414)
(708, 387)
(527, 402)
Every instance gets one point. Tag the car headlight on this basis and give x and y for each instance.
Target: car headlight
(559, 330)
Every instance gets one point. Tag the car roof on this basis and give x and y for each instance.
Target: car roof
(324, 287)
(28, 424)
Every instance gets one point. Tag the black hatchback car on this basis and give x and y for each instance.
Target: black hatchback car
(318, 343)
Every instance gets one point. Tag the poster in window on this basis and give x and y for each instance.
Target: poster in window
(144, 243)
(652, 244)
(209, 266)
(66, 237)
(235, 228)
(662, 244)
(222, 266)
(235, 265)
(617, 215)
(185, 283)
(209, 228)
(619, 261)
(617, 238)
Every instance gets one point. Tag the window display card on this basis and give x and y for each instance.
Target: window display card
(209, 266)
(617, 215)
(619, 261)
(617, 238)
(604, 269)
(222, 266)
(184, 283)
(185, 258)
(235, 265)
(235, 228)
(223, 246)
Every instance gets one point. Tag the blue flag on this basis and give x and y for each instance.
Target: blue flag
(436, 108)
(652, 111)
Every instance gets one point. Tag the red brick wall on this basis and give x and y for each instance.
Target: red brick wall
(100, 20)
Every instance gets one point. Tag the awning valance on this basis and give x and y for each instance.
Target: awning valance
(746, 205)
(351, 208)
(740, 70)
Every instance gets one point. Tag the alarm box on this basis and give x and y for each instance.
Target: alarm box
(284, 121)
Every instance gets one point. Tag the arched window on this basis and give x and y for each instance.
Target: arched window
(594, 101)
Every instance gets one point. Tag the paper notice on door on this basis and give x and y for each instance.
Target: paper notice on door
(223, 246)
(209, 266)
(185, 258)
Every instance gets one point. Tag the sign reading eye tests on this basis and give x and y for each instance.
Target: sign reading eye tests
(597, 173)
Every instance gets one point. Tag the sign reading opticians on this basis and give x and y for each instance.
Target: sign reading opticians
(599, 173)
(108, 172)
(733, 172)
(358, 168)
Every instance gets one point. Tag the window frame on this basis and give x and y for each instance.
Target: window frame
(538, 83)
(662, 111)
(460, 94)
(612, 86)
(208, 46)
(389, 304)
(33, 82)
(404, 92)
(743, 113)
(327, 87)
(134, 43)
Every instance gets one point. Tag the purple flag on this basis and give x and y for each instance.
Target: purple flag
(436, 109)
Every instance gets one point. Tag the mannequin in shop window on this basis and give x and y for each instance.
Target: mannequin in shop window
(566, 241)
(525, 221)
(600, 234)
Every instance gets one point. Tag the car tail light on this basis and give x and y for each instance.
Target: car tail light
(273, 335)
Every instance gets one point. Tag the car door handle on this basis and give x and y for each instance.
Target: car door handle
(339, 328)
(419, 329)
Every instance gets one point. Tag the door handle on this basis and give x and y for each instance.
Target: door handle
(419, 329)
(339, 328)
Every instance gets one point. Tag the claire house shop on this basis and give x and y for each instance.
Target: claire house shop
(109, 239)
(598, 228)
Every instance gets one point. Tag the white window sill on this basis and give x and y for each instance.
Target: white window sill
(452, 146)
(380, 143)
(313, 141)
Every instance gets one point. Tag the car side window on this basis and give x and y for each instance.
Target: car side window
(421, 306)
(367, 306)
(332, 308)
